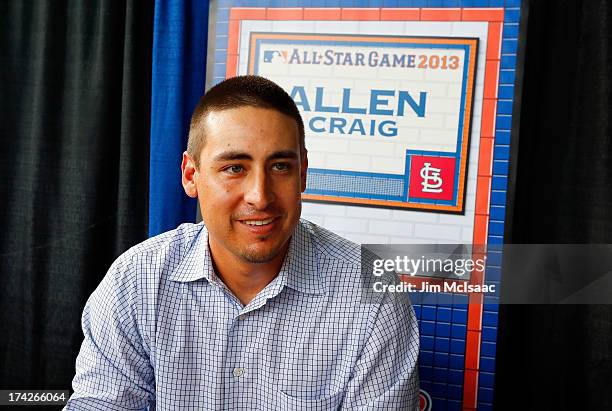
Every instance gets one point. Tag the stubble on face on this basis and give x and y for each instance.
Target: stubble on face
(253, 255)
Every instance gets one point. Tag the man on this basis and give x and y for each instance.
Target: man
(254, 309)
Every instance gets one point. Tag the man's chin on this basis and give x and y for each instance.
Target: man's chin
(256, 255)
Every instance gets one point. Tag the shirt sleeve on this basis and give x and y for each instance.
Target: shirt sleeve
(113, 371)
(386, 375)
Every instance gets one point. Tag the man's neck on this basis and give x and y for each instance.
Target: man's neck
(244, 279)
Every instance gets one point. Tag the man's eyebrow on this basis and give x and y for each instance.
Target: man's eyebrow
(232, 155)
(288, 154)
(241, 155)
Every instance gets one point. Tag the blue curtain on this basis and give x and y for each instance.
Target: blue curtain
(178, 79)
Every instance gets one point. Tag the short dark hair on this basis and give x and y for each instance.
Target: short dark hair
(254, 91)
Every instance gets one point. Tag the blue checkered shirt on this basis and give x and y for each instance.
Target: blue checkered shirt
(162, 331)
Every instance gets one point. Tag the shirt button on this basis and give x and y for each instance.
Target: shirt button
(238, 372)
(241, 317)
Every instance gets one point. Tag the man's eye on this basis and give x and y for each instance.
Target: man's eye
(234, 169)
(281, 166)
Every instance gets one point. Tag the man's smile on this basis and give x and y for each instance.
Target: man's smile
(259, 222)
(260, 225)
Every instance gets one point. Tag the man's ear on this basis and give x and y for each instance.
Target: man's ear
(304, 170)
(188, 172)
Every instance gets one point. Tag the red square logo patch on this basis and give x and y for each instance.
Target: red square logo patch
(431, 177)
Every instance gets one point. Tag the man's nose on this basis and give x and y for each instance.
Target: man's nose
(259, 192)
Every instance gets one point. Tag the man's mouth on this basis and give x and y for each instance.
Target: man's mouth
(258, 222)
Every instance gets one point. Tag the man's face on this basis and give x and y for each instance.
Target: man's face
(249, 182)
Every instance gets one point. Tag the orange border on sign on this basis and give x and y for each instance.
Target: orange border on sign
(494, 17)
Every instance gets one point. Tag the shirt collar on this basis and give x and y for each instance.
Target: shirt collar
(301, 263)
(196, 262)
(299, 270)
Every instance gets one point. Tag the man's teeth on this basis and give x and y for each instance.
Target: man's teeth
(259, 222)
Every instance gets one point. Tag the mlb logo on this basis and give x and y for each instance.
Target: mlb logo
(431, 178)
(275, 56)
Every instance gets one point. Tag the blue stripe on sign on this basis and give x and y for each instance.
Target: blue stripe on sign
(501, 152)
(500, 167)
(498, 198)
(508, 62)
(179, 57)
(511, 31)
(506, 91)
(354, 184)
(502, 137)
(512, 16)
(506, 76)
(504, 122)
(499, 183)
(494, 258)
(495, 239)
(504, 107)
(509, 46)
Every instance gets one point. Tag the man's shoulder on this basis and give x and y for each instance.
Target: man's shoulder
(160, 253)
(136, 277)
(177, 240)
